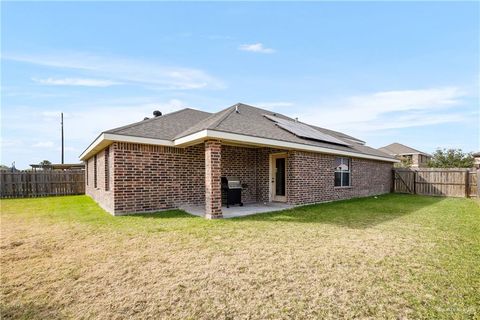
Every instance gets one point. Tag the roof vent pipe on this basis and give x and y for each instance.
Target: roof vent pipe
(236, 109)
(296, 119)
(157, 113)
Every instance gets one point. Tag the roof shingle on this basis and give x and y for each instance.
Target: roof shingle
(248, 121)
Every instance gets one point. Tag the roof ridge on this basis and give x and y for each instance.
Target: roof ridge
(216, 123)
(131, 125)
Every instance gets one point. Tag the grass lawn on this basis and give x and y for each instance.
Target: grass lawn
(395, 256)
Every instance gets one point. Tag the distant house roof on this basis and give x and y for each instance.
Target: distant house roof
(239, 123)
(59, 166)
(398, 149)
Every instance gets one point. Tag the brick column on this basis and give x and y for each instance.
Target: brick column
(213, 192)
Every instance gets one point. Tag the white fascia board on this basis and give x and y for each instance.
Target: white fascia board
(240, 138)
(191, 138)
(92, 147)
(106, 139)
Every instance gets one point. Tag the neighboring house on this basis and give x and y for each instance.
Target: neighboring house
(476, 159)
(178, 159)
(416, 158)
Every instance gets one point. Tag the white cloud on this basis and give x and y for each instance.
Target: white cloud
(76, 82)
(83, 122)
(43, 144)
(390, 110)
(256, 47)
(121, 70)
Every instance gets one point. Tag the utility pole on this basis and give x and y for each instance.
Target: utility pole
(62, 140)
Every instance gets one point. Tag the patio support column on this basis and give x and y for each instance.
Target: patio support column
(213, 169)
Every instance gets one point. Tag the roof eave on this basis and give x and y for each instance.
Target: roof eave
(106, 139)
(258, 141)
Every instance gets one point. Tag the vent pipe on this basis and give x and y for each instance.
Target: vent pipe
(236, 109)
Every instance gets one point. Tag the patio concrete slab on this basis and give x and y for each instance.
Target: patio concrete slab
(237, 211)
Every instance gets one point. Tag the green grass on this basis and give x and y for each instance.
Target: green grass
(394, 256)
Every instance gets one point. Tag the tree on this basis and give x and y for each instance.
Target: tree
(405, 162)
(45, 163)
(451, 158)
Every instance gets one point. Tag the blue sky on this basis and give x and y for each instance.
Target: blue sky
(384, 72)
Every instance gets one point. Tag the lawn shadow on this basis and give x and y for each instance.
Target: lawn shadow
(30, 310)
(164, 214)
(357, 213)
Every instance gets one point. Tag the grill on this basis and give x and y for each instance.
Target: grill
(231, 191)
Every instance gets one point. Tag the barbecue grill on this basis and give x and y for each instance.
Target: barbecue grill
(231, 191)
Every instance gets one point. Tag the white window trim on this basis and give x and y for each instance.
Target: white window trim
(343, 171)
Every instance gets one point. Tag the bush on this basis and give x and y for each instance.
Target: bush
(451, 158)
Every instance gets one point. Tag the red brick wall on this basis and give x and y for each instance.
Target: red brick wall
(242, 163)
(310, 178)
(213, 172)
(147, 178)
(150, 178)
(99, 194)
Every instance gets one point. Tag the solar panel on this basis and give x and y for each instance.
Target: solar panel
(304, 131)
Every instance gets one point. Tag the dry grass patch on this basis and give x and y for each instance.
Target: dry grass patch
(392, 257)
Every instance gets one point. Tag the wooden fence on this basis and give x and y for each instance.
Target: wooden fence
(26, 184)
(436, 182)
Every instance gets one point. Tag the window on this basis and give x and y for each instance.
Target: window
(95, 171)
(342, 172)
(107, 169)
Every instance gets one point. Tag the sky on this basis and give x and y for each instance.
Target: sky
(384, 72)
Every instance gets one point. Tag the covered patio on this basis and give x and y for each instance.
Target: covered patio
(240, 211)
(261, 171)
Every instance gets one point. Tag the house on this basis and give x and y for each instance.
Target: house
(476, 159)
(416, 158)
(178, 159)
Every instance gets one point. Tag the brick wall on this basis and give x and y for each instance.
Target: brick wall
(150, 178)
(310, 178)
(147, 178)
(242, 163)
(213, 172)
(99, 194)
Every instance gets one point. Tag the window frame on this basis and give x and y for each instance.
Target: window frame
(342, 172)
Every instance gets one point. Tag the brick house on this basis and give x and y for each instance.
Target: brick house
(179, 158)
(414, 157)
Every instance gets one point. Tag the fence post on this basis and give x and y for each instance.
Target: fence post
(414, 182)
(478, 184)
(392, 186)
(467, 181)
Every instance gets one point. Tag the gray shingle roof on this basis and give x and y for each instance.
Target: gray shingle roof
(400, 149)
(249, 121)
(165, 127)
